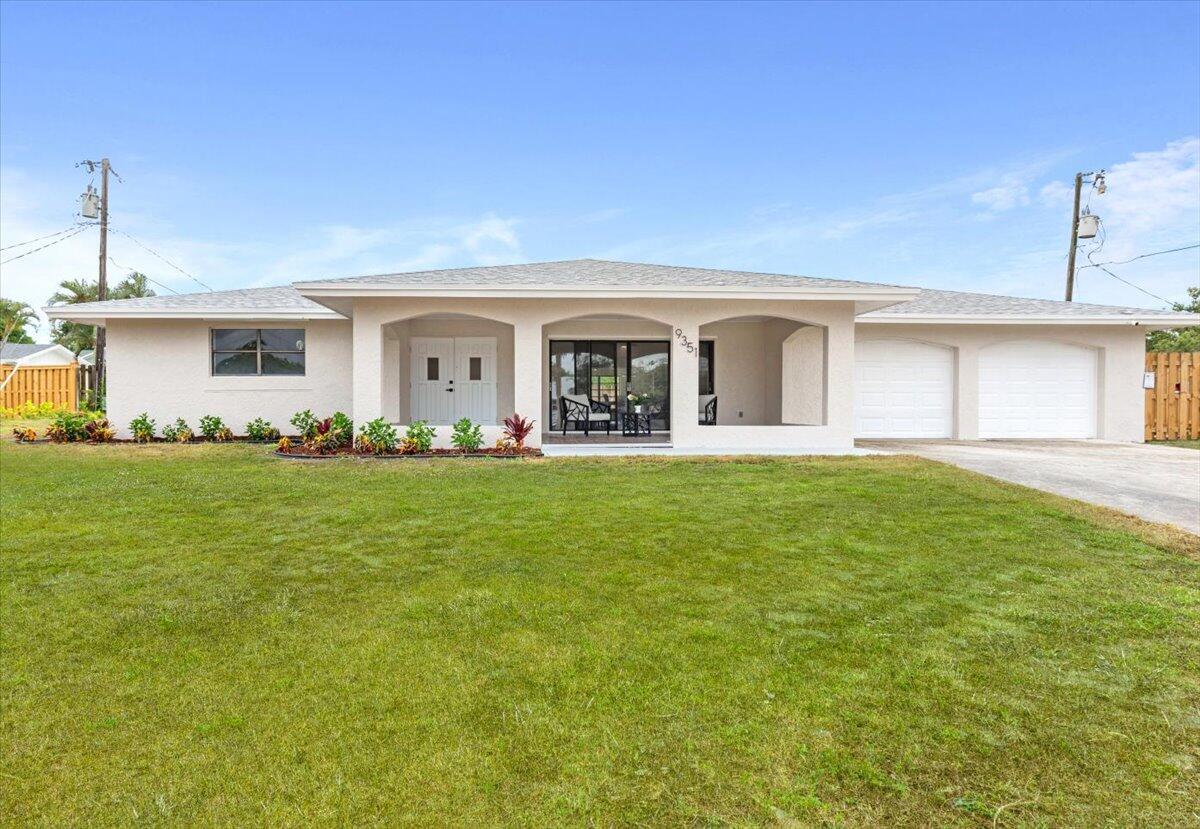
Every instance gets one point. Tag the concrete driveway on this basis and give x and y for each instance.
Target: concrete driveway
(1157, 483)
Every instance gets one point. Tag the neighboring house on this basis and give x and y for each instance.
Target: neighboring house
(87, 357)
(36, 354)
(793, 362)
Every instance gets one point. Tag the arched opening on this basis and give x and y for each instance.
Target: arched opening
(762, 371)
(446, 366)
(618, 366)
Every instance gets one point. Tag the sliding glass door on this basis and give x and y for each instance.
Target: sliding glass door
(609, 371)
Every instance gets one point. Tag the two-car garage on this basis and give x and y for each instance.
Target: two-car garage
(1026, 389)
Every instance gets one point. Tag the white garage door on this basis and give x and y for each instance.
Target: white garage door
(903, 389)
(1037, 389)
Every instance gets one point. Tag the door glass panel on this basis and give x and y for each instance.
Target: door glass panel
(431, 368)
(475, 368)
(650, 379)
(604, 372)
(706, 367)
(562, 375)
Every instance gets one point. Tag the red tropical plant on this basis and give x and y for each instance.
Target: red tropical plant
(517, 428)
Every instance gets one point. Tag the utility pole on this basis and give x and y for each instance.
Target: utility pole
(89, 212)
(1097, 181)
(102, 292)
(1070, 253)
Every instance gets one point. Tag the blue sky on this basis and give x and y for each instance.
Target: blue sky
(927, 144)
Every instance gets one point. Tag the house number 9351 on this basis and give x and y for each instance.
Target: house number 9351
(684, 341)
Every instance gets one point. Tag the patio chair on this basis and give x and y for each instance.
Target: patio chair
(579, 408)
(708, 410)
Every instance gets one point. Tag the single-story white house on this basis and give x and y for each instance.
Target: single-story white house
(716, 358)
(36, 354)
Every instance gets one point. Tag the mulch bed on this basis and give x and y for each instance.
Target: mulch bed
(300, 452)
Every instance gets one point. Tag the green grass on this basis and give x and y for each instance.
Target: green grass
(208, 635)
(1186, 444)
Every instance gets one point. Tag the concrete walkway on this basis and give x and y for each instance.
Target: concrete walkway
(563, 450)
(1157, 483)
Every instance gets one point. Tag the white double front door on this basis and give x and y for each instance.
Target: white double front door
(453, 378)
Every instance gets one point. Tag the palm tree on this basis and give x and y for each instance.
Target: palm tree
(14, 316)
(77, 336)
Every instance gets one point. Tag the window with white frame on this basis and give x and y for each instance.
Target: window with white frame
(257, 351)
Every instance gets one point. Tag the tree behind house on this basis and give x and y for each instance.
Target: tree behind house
(1180, 339)
(78, 336)
(14, 317)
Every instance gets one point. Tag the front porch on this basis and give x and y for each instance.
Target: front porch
(754, 381)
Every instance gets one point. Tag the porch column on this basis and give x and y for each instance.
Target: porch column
(367, 376)
(685, 383)
(527, 375)
(839, 376)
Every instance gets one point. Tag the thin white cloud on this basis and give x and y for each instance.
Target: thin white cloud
(1055, 194)
(1004, 196)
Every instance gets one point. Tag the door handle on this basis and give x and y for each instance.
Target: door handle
(449, 389)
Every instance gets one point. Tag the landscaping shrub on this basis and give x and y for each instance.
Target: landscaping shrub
(466, 436)
(517, 428)
(211, 426)
(378, 436)
(283, 445)
(421, 434)
(305, 423)
(24, 434)
(342, 426)
(142, 427)
(408, 446)
(98, 431)
(177, 432)
(68, 427)
(261, 430)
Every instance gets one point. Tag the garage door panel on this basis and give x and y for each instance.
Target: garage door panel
(903, 389)
(1037, 389)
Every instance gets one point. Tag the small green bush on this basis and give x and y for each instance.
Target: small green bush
(261, 430)
(421, 434)
(378, 436)
(305, 423)
(177, 432)
(68, 427)
(211, 426)
(341, 427)
(142, 427)
(467, 436)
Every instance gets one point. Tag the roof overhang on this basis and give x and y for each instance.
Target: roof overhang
(65, 312)
(1150, 321)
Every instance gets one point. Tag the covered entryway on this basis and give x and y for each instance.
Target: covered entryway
(1037, 389)
(903, 389)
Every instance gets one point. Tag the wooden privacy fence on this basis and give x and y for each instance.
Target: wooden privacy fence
(58, 385)
(1173, 405)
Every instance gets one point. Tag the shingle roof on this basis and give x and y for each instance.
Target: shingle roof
(594, 273)
(935, 303)
(282, 298)
(19, 351)
(598, 273)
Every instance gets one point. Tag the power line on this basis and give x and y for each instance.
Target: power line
(163, 258)
(47, 236)
(1130, 284)
(47, 245)
(1143, 256)
(143, 273)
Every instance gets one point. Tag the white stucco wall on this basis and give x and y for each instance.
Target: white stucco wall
(1120, 360)
(163, 367)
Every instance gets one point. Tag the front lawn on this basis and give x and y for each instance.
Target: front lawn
(206, 634)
